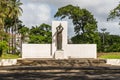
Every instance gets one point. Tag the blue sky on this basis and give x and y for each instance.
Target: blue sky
(36, 12)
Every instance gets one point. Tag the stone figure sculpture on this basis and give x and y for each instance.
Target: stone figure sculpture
(59, 37)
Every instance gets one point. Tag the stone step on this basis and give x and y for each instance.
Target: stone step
(59, 69)
(58, 76)
(59, 73)
(69, 62)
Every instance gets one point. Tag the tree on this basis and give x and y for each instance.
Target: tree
(3, 47)
(114, 13)
(103, 30)
(81, 18)
(112, 43)
(9, 12)
(40, 34)
(15, 12)
(3, 14)
(23, 31)
(85, 25)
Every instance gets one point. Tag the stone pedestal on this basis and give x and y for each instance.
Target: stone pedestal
(59, 54)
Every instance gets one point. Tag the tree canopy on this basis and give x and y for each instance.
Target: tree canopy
(82, 19)
(40, 34)
(10, 11)
(114, 13)
(85, 25)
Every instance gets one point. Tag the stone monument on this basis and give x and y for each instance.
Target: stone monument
(59, 30)
(59, 53)
(59, 48)
(59, 39)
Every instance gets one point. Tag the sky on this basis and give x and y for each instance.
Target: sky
(36, 12)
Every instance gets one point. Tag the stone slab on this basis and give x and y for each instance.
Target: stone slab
(8, 62)
(59, 54)
(113, 61)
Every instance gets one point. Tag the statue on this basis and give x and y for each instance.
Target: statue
(59, 37)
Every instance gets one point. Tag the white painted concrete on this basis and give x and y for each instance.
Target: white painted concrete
(81, 51)
(70, 51)
(8, 62)
(36, 51)
(113, 61)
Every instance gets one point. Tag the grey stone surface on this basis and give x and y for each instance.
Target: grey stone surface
(50, 69)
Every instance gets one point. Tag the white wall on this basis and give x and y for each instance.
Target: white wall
(81, 51)
(70, 51)
(36, 51)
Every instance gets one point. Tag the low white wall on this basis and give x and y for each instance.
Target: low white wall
(36, 51)
(70, 51)
(113, 61)
(81, 51)
(8, 62)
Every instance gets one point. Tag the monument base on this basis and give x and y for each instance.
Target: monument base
(59, 54)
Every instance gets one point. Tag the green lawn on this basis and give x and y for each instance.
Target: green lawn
(9, 56)
(112, 55)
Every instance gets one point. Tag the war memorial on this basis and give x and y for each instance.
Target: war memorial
(59, 61)
(59, 49)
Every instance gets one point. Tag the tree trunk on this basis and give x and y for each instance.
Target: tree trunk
(12, 41)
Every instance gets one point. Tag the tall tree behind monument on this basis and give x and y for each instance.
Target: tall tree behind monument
(85, 25)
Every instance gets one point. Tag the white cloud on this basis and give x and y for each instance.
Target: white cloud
(44, 12)
(39, 11)
(35, 14)
(111, 27)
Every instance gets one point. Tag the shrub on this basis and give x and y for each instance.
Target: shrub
(3, 47)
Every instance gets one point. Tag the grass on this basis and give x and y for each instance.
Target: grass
(111, 55)
(9, 56)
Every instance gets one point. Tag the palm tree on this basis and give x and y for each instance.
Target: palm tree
(4, 11)
(103, 30)
(15, 12)
(9, 9)
(2, 17)
(103, 36)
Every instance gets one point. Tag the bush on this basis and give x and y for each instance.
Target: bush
(113, 48)
(3, 47)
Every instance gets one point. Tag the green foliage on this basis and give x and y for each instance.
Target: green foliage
(82, 19)
(113, 48)
(86, 38)
(3, 47)
(111, 43)
(40, 34)
(10, 11)
(85, 26)
(115, 40)
(115, 13)
(9, 56)
(24, 31)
